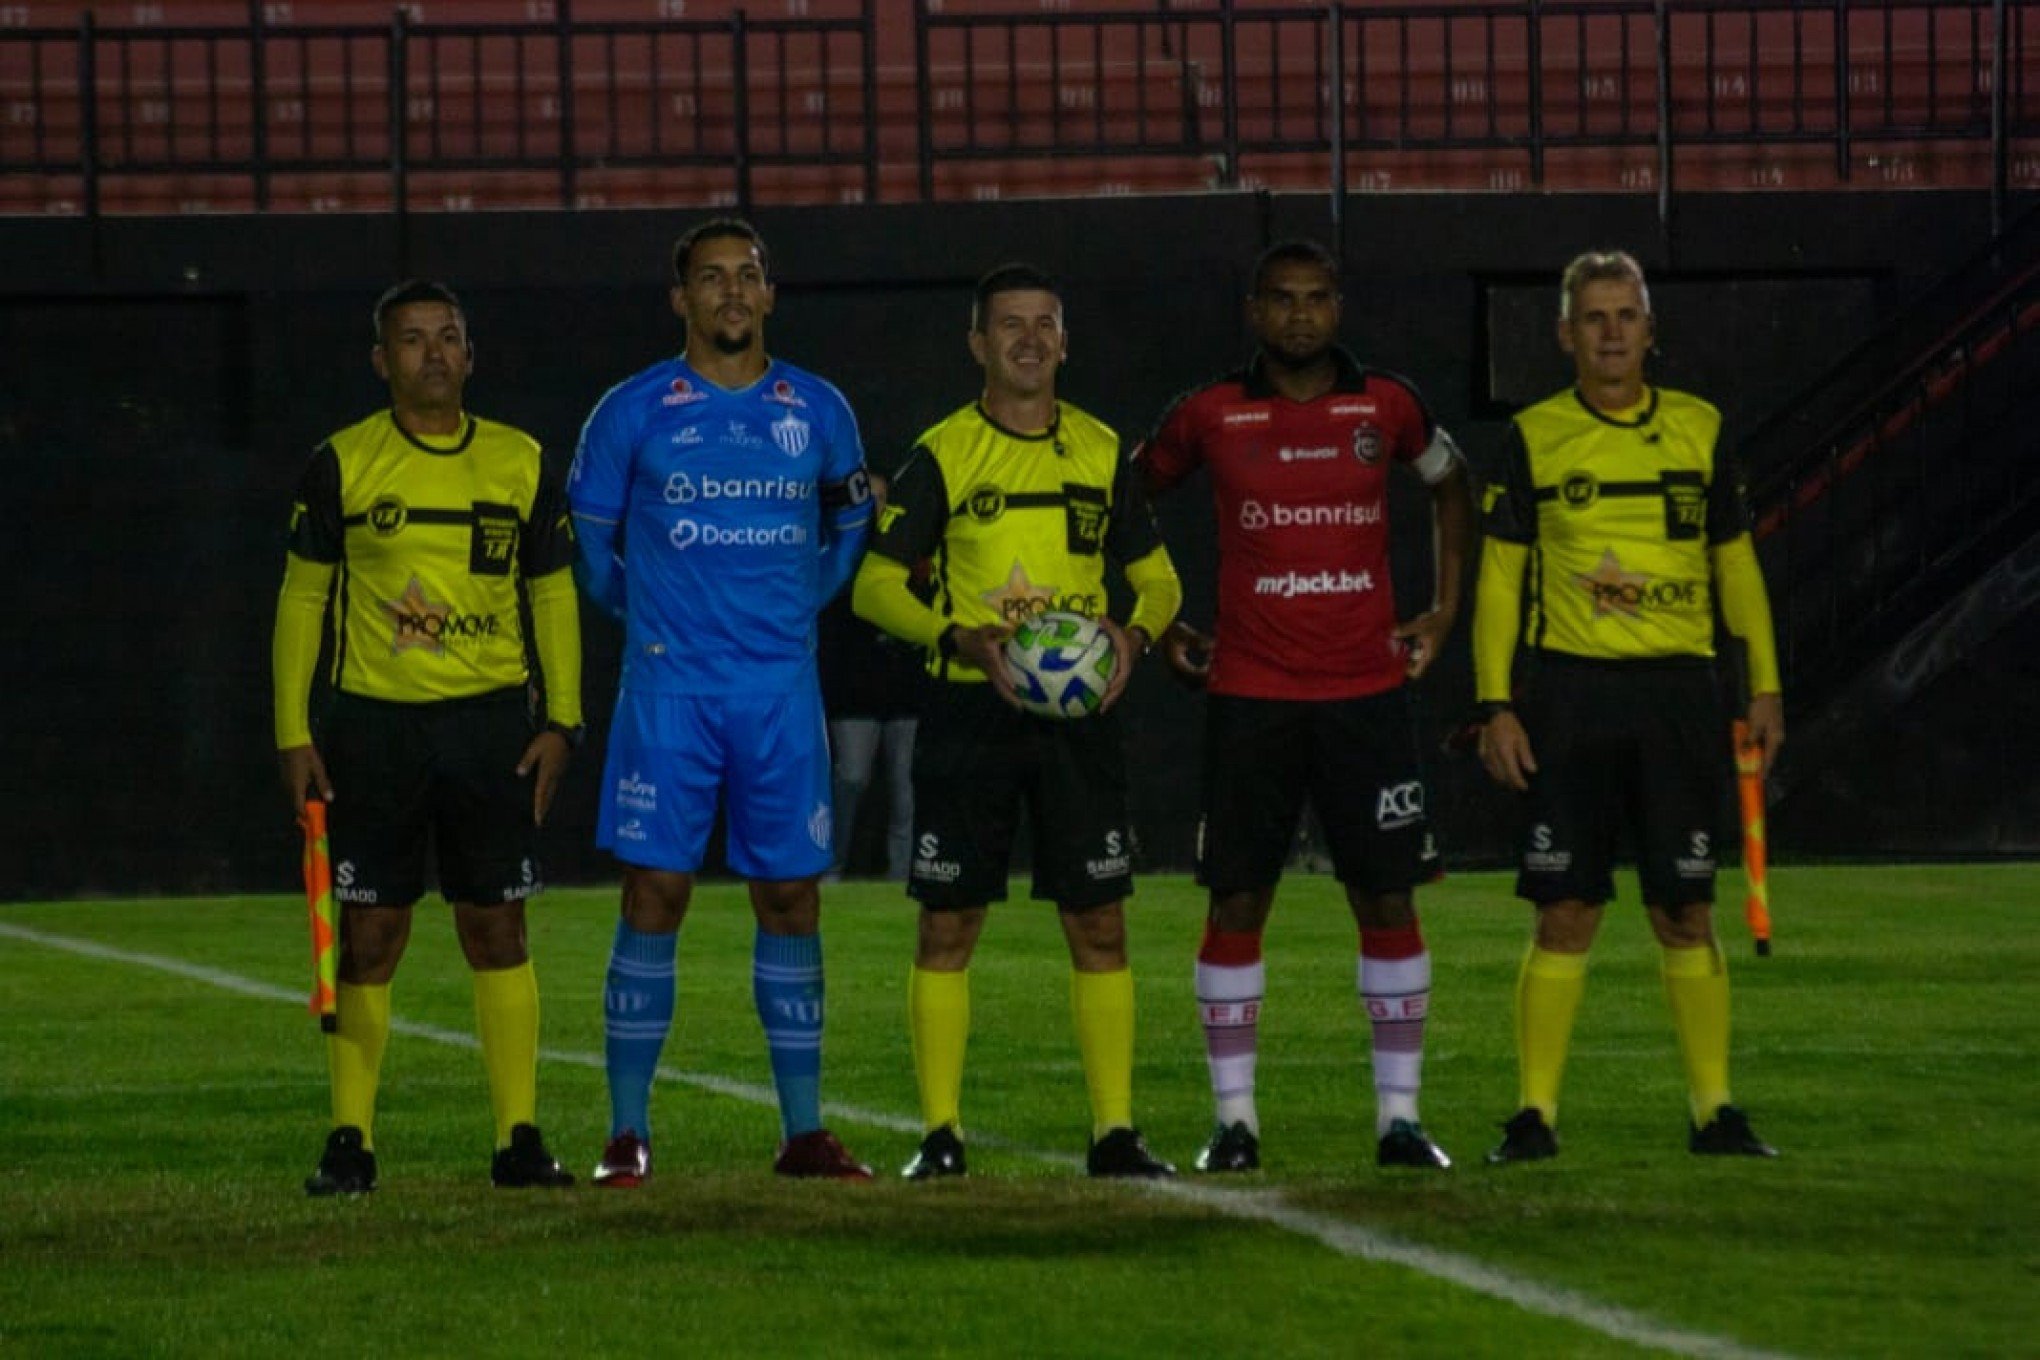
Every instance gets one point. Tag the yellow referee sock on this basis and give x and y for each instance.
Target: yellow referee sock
(1696, 986)
(354, 1054)
(938, 1019)
(1548, 993)
(506, 1016)
(1102, 1006)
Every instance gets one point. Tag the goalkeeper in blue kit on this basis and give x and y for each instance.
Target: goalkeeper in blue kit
(721, 500)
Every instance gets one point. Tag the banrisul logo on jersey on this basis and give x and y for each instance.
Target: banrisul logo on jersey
(682, 489)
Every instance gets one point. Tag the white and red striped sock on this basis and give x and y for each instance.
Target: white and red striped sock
(1231, 981)
(1395, 987)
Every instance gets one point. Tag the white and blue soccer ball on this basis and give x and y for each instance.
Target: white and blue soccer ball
(1061, 664)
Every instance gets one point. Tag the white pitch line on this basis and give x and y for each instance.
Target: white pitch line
(1263, 1206)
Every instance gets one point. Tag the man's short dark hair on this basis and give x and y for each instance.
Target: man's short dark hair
(1016, 277)
(407, 292)
(715, 229)
(1297, 251)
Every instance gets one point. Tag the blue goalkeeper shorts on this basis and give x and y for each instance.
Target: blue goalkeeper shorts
(765, 755)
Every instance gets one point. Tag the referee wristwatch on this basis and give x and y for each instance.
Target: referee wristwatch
(575, 735)
(1487, 709)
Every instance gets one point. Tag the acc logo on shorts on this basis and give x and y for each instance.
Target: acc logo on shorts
(1398, 805)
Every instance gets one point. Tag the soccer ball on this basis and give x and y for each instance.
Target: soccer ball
(1060, 664)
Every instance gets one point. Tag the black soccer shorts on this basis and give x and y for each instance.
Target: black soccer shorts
(1636, 744)
(977, 763)
(442, 774)
(1354, 759)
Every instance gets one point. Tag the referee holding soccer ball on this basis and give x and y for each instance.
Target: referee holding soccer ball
(1020, 499)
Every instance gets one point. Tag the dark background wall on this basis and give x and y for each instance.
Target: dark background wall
(165, 380)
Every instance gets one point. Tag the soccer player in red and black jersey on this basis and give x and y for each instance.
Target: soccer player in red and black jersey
(1306, 675)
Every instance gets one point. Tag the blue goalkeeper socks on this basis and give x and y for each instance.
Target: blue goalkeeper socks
(637, 1008)
(786, 983)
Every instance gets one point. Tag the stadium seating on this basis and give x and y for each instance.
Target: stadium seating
(1097, 97)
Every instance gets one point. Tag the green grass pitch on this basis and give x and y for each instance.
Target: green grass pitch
(162, 1096)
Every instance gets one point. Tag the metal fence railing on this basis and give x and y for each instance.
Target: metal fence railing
(559, 111)
(1489, 94)
(559, 104)
(1911, 466)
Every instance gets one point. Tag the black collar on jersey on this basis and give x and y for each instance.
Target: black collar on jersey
(1649, 411)
(1053, 434)
(1350, 376)
(467, 435)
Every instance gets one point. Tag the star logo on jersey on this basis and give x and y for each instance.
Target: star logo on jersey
(1019, 598)
(1614, 590)
(417, 621)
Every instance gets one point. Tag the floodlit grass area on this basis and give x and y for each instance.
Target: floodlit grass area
(162, 1096)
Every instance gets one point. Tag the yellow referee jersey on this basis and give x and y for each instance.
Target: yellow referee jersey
(429, 538)
(1018, 524)
(1619, 514)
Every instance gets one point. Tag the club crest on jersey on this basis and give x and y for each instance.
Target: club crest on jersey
(1367, 443)
(790, 433)
(783, 393)
(683, 393)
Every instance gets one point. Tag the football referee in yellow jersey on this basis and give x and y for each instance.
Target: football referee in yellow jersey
(1622, 520)
(424, 530)
(1021, 500)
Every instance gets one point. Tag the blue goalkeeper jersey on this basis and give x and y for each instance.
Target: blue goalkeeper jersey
(717, 524)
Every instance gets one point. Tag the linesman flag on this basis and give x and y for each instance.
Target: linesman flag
(319, 914)
(1749, 788)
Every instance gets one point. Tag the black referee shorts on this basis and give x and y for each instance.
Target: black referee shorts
(441, 775)
(1636, 744)
(978, 762)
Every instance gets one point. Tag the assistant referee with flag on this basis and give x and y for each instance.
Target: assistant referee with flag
(427, 530)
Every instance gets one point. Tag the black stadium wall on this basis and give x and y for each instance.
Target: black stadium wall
(166, 378)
